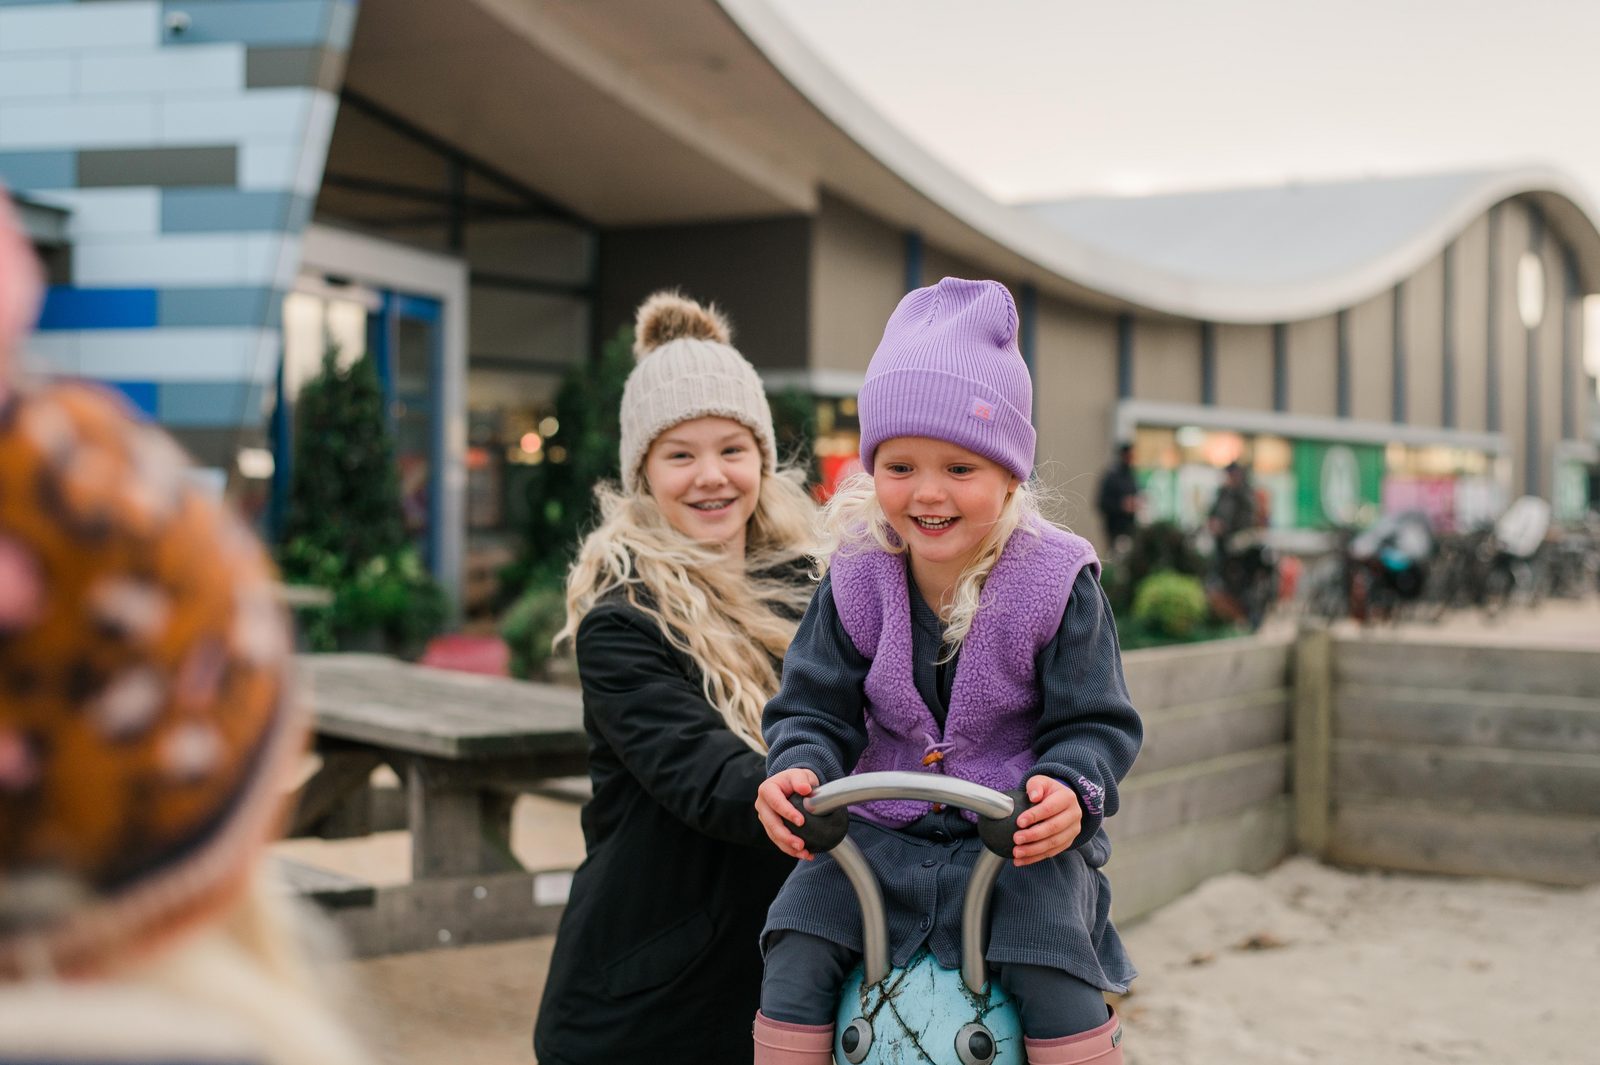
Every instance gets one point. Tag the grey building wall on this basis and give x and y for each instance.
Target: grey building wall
(1244, 367)
(938, 264)
(1513, 338)
(1371, 354)
(1424, 344)
(1471, 341)
(1549, 341)
(758, 272)
(1166, 360)
(858, 275)
(1314, 366)
(1075, 388)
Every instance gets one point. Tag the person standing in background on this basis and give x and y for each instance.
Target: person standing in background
(1118, 499)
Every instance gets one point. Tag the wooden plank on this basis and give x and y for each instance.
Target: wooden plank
(1151, 871)
(1198, 731)
(1468, 667)
(1313, 732)
(1156, 802)
(455, 830)
(1419, 838)
(1175, 676)
(1451, 778)
(340, 779)
(1476, 719)
(451, 912)
(378, 700)
(329, 890)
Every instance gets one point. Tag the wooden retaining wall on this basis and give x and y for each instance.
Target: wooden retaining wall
(1452, 758)
(1210, 792)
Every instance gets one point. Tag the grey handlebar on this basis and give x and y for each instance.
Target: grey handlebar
(866, 787)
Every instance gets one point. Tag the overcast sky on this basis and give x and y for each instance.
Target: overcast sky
(1034, 99)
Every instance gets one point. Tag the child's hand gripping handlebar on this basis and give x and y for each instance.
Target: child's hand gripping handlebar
(826, 820)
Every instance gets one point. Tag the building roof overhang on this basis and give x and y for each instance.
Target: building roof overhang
(634, 112)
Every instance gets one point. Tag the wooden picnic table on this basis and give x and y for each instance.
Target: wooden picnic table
(463, 746)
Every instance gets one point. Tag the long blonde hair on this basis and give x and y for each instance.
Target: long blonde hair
(853, 521)
(734, 624)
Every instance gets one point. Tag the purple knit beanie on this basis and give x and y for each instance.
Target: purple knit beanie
(948, 368)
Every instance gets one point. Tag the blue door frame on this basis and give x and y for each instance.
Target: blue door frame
(383, 337)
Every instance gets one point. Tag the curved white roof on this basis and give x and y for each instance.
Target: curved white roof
(1302, 241)
(1252, 255)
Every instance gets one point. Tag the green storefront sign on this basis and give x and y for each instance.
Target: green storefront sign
(1336, 483)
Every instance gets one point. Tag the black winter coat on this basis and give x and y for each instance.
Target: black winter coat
(657, 959)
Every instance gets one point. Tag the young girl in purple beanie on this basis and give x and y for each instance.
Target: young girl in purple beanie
(956, 631)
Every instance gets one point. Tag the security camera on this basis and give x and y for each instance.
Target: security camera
(177, 23)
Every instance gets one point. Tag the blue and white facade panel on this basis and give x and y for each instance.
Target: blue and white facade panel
(187, 141)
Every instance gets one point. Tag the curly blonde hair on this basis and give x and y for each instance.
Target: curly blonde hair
(735, 624)
(854, 521)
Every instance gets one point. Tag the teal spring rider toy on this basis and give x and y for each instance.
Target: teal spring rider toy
(922, 1013)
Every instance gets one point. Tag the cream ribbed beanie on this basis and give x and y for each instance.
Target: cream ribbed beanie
(687, 369)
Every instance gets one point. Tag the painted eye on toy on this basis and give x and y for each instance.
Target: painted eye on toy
(856, 1040)
(974, 1045)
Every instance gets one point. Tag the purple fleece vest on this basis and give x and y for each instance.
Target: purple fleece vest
(994, 700)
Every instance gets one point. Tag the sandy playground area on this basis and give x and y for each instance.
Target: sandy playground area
(1307, 965)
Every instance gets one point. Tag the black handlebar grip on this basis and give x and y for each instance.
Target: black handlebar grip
(997, 832)
(821, 832)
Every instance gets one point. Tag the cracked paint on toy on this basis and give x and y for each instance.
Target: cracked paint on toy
(915, 1013)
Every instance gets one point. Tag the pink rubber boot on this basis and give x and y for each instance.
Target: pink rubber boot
(781, 1043)
(1102, 1045)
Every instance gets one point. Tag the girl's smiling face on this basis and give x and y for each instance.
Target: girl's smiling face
(940, 499)
(705, 475)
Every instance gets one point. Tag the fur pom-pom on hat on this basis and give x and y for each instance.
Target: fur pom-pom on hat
(692, 372)
(670, 315)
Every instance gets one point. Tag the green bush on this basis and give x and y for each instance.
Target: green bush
(1159, 546)
(530, 625)
(390, 604)
(1170, 604)
(345, 531)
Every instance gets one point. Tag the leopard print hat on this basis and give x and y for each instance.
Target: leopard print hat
(146, 726)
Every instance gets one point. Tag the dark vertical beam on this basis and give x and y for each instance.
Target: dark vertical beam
(280, 431)
(1447, 359)
(1028, 338)
(1280, 367)
(1208, 363)
(1341, 385)
(1397, 404)
(1491, 414)
(456, 229)
(597, 338)
(1124, 356)
(913, 260)
(1533, 434)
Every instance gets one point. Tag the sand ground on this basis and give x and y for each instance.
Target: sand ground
(1307, 965)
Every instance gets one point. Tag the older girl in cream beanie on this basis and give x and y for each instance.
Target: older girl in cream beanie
(680, 606)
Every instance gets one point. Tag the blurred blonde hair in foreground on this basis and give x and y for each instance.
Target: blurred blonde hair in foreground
(149, 738)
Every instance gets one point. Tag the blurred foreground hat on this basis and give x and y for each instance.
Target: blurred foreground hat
(146, 728)
(687, 368)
